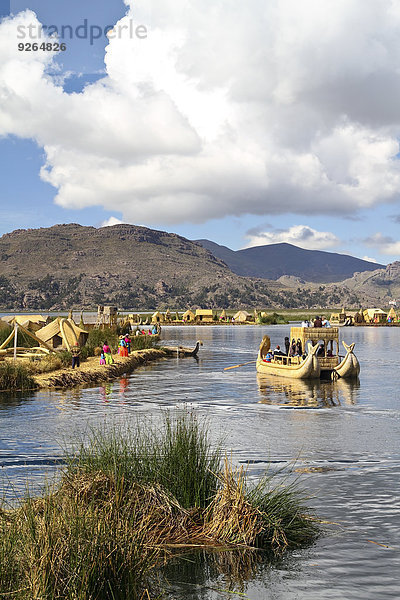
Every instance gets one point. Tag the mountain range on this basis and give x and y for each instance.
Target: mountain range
(71, 266)
(276, 260)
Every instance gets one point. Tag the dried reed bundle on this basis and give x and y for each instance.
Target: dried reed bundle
(231, 518)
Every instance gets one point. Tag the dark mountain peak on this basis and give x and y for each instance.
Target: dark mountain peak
(273, 261)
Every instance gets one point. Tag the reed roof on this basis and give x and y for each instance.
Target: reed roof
(54, 329)
(374, 311)
(242, 313)
(21, 319)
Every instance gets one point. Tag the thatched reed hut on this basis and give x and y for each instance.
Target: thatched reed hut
(188, 316)
(158, 317)
(62, 333)
(242, 316)
(375, 315)
(31, 322)
(204, 315)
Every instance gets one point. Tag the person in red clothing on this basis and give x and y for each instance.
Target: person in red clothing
(128, 341)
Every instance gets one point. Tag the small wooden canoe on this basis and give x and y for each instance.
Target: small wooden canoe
(286, 366)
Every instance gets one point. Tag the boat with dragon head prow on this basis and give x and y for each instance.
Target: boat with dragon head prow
(313, 353)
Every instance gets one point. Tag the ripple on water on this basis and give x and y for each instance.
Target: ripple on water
(342, 437)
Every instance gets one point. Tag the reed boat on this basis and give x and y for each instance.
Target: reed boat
(349, 365)
(288, 366)
(182, 350)
(333, 365)
(154, 336)
(321, 345)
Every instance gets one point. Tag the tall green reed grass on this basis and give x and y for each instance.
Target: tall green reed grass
(178, 456)
(15, 377)
(126, 497)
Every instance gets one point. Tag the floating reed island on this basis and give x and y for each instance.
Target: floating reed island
(53, 370)
(129, 500)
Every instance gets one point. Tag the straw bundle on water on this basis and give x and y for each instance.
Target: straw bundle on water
(231, 518)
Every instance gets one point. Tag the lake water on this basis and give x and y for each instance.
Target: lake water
(345, 436)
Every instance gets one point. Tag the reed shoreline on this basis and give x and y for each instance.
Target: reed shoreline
(91, 372)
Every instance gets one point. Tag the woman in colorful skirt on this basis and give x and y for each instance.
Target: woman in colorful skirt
(122, 349)
(107, 353)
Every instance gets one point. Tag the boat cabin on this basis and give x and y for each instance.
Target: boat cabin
(328, 340)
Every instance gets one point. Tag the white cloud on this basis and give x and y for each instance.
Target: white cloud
(384, 244)
(298, 235)
(369, 259)
(111, 221)
(224, 109)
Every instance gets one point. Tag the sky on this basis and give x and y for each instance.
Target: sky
(246, 123)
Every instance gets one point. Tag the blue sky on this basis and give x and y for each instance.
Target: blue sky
(244, 125)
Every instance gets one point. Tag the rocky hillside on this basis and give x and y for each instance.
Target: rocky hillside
(382, 284)
(70, 266)
(278, 260)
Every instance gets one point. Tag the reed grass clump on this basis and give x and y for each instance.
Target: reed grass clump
(97, 337)
(142, 342)
(15, 377)
(129, 500)
(178, 456)
(267, 515)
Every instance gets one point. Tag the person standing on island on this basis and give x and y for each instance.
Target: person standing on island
(76, 355)
(107, 353)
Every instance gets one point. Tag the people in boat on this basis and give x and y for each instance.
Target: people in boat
(269, 356)
(292, 351)
(305, 323)
(329, 352)
(107, 353)
(325, 322)
(278, 351)
(287, 345)
(321, 350)
(317, 322)
(299, 348)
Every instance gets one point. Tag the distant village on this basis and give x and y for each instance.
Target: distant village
(56, 333)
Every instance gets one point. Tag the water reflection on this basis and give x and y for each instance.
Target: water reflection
(306, 393)
(106, 391)
(123, 388)
(221, 573)
(347, 443)
(12, 399)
